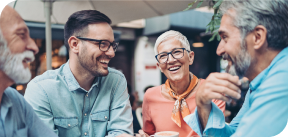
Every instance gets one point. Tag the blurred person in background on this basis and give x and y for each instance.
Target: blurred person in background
(134, 103)
(165, 106)
(254, 40)
(17, 50)
(84, 97)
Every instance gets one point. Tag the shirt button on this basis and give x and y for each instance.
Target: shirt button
(69, 125)
(85, 133)
(105, 117)
(85, 114)
(87, 95)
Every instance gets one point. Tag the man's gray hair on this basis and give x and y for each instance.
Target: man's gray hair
(2, 40)
(169, 35)
(272, 14)
(3, 45)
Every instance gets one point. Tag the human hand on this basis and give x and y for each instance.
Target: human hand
(142, 134)
(221, 86)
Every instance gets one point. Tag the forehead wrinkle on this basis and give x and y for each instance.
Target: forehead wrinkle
(11, 20)
(9, 15)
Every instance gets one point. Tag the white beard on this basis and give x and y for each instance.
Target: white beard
(12, 65)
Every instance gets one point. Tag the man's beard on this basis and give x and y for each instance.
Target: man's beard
(92, 68)
(240, 63)
(12, 64)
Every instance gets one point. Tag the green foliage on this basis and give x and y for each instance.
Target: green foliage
(214, 24)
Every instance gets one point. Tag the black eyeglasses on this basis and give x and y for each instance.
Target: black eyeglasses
(176, 53)
(104, 45)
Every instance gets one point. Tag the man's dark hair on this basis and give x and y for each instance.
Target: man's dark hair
(78, 22)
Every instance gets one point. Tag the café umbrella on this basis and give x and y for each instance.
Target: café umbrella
(58, 11)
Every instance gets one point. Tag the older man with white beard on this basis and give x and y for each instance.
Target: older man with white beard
(17, 49)
(254, 40)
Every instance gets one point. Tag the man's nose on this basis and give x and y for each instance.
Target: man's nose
(110, 52)
(32, 46)
(220, 49)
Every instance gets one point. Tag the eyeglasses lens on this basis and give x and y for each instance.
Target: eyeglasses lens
(176, 53)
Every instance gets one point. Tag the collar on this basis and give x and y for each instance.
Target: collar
(6, 104)
(6, 101)
(72, 82)
(256, 82)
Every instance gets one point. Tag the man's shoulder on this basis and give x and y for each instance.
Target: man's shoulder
(14, 96)
(280, 65)
(114, 73)
(12, 93)
(48, 75)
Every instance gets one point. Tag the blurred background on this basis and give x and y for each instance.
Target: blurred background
(136, 25)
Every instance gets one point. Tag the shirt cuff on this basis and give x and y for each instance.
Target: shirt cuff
(192, 121)
(216, 120)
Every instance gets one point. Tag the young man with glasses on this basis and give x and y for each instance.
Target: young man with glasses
(84, 97)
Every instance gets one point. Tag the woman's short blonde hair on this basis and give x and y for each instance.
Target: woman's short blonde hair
(169, 35)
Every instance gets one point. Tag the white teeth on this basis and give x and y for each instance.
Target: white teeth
(174, 68)
(104, 61)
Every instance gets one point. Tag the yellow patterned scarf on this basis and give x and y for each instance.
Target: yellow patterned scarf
(180, 106)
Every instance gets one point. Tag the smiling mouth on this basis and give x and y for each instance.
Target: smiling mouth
(104, 61)
(27, 60)
(174, 68)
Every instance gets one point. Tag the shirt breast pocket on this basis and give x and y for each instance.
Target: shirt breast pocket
(100, 116)
(67, 126)
(99, 121)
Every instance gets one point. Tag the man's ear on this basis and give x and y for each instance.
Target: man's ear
(74, 44)
(159, 67)
(259, 36)
(191, 57)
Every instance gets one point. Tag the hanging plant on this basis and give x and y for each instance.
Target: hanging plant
(214, 24)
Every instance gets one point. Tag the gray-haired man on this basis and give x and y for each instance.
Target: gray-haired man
(17, 49)
(254, 41)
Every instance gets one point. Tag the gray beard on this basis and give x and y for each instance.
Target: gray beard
(240, 63)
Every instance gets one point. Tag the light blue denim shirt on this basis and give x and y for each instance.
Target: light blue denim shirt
(71, 111)
(18, 119)
(264, 112)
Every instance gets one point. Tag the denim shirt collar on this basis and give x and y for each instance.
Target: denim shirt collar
(256, 82)
(72, 82)
(6, 103)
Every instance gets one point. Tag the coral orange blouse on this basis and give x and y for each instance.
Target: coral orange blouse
(157, 111)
